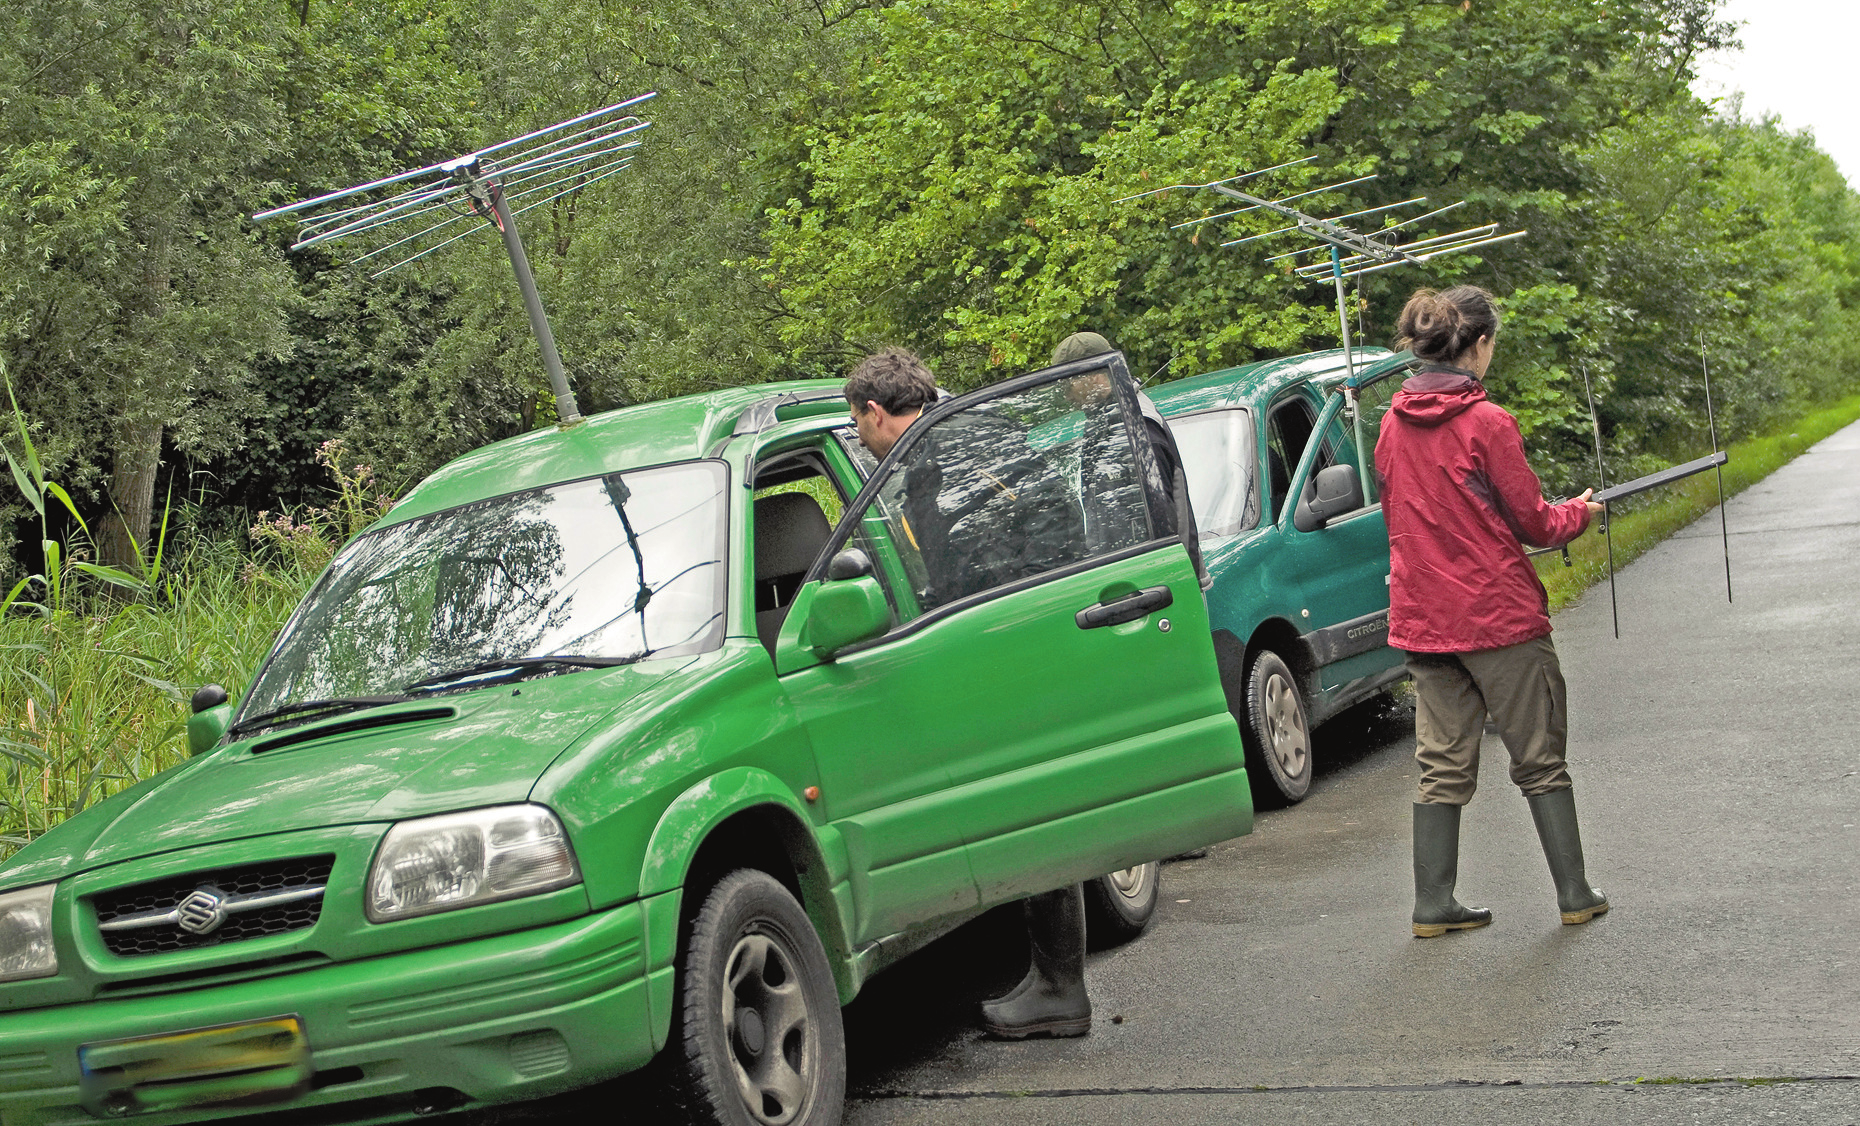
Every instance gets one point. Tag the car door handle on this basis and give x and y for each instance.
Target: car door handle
(1126, 609)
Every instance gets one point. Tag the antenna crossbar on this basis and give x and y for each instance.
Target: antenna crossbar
(529, 171)
(1353, 254)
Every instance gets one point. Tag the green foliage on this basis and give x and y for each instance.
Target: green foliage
(965, 205)
(131, 299)
(93, 691)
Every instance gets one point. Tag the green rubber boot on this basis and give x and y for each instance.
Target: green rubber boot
(1555, 814)
(1436, 870)
(1051, 999)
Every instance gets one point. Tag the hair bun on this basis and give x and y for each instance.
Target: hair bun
(1442, 326)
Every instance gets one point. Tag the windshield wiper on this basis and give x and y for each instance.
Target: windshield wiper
(517, 665)
(299, 710)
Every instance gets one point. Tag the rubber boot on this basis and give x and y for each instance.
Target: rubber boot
(1555, 814)
(1051, 999)
(1436, 870)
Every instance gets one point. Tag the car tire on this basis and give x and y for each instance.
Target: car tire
(757, 1039)
(1120, 905)
(1277, 730)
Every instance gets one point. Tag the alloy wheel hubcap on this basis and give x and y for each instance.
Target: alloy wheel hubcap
(1287, 726)
(767, 1026)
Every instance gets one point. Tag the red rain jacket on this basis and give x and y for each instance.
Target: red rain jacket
(1461, 503)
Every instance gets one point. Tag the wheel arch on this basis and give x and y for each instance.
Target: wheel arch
(1283, 638)
(747, 818)
(1234, 657)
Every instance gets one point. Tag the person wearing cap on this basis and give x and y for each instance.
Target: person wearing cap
(1051, 999)
(1096, 398)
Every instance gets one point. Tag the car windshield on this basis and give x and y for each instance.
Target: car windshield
(607, 569)
(1218, 458)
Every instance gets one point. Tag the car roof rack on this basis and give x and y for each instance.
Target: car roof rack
(786, 407)
(761, 415)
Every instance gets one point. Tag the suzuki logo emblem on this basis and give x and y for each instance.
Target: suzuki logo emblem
(202, 911)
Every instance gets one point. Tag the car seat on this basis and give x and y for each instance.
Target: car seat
(791, 530)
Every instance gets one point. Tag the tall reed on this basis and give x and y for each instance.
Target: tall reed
(94, 701)
(95, 676)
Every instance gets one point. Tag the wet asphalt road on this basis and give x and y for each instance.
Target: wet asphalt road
(1717, 772)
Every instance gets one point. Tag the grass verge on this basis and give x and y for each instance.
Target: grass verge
(92, 702)
(1674, 507)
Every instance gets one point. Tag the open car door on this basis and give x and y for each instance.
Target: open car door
(1003, 658)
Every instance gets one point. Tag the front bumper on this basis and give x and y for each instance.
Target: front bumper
(512, 1016)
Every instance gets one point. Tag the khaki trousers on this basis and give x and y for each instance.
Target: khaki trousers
(1520, 687)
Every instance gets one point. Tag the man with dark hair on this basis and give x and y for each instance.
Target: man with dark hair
(982, 508)
(887, 392)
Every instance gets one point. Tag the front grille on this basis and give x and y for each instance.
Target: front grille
(140, 928)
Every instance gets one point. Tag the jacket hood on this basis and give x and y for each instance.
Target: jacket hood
(453, 752)
(1433, 396)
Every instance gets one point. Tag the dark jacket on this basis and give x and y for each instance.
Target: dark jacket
(1461, 503)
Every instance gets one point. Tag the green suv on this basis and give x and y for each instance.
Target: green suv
(1280, 461)
(653, 736)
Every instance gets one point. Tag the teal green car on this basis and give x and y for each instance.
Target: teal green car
(657, 735)
(1280, 461)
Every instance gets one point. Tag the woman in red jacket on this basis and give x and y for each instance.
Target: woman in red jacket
(1466, 606)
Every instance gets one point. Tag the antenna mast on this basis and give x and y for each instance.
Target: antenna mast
(549, 163)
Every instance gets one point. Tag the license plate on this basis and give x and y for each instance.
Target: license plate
(255, 1062)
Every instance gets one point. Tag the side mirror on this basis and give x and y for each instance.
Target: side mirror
(845, 611)
(212, 716)
(1334, 491)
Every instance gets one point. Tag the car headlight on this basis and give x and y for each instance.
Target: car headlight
(464, 859)
(26, 934)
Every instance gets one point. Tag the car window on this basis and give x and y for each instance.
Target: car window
(1011, 488)
(793, 522)
(1288, 431)
(1219, 460)
(1372, 402)
(1337, 446)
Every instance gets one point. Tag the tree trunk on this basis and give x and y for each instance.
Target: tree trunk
(132, 490)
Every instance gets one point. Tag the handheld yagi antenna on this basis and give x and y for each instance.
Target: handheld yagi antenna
(1608, 494)
(440, 204)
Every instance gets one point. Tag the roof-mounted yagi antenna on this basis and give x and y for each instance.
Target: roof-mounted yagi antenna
(1352, 253)
(443, 203)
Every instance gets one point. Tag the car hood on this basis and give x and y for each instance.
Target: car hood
(450, 752)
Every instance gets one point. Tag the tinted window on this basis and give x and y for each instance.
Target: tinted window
(1012, 488)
